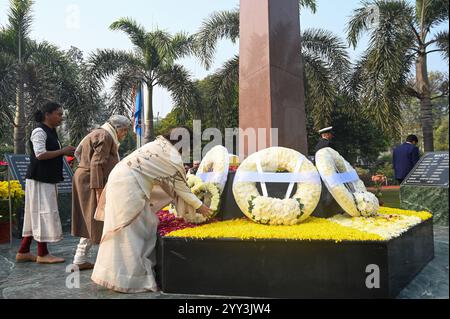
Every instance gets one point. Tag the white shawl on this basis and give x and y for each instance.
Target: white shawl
(153, 173)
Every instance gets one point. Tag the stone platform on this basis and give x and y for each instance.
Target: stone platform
(34, 281)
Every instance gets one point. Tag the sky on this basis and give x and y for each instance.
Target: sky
(85, 25)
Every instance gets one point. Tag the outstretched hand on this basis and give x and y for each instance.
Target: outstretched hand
(205, 211)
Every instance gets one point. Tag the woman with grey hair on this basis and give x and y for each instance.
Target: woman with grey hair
(97, 155)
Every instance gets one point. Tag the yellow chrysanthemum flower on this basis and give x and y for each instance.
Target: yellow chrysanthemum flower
(16, 190)
(311, 229)
(339, 228)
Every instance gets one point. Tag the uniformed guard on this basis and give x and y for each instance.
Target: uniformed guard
(326, 135)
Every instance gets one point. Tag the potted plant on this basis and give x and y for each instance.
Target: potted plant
(17, 198)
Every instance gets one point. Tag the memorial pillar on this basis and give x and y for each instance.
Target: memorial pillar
(271, 90)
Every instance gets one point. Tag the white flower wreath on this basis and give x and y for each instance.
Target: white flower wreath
(193, 180)
(208, 193)
(214, 167)
(265, 166)
(344, 184)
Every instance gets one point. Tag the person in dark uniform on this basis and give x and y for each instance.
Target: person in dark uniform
(326, 135)
(406, 157)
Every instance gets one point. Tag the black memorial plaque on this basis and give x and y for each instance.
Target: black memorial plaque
(431, 170)
(18, 165)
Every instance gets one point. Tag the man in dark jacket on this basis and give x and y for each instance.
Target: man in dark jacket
(406, 157)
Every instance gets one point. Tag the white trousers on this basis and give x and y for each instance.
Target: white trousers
(82, 250)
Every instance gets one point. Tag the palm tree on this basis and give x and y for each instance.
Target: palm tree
(7, 89)
(327, 65)
(400, 36)
(153, 62)
(32, 72)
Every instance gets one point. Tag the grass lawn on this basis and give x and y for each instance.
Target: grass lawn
(391, 198)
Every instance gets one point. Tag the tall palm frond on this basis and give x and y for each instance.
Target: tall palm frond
(135, 31)
(122, 90)
(320, 92)
(225, 25)
(441, 40)
(224, 84)
(331, 50)
(309, 4)
(152, 61)
(430, 13)
(177, 80)
(8, 83)
(220, 25)
(20, 17)
(105, 63)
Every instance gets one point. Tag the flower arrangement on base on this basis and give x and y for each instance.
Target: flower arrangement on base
(344, 184)
(208, 193)
(168, 223)
(267, 210)
(390, 224)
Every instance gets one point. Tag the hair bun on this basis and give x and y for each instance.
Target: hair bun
(39, 116)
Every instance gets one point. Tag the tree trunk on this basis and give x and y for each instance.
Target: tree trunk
(426, 107)
(19, 120)
(149, 129)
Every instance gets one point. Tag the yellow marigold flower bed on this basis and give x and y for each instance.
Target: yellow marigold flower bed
(312, 229)
(395, 211)
(338, 228)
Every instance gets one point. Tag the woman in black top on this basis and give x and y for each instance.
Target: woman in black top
(41, 219)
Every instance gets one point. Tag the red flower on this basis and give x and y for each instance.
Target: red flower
(233, 169)
(169, 223)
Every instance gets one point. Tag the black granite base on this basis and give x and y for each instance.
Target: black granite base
(292, 269)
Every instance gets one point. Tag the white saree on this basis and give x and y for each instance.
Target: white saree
(138, 187)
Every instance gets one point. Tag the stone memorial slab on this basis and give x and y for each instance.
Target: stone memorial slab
(18, 165)
(426, 187)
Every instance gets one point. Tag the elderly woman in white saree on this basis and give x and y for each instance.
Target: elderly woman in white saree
(138, 187)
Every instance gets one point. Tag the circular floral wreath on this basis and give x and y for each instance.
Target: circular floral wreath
(208, 193)
(274, 211)
(216, 162)
(353, 196)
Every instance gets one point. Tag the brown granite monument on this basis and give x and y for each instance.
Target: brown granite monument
(271, 74)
